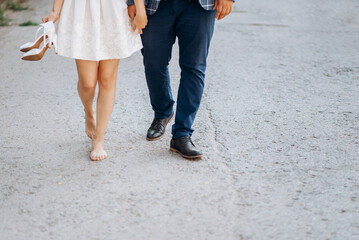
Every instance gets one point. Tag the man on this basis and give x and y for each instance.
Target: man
(192, 22)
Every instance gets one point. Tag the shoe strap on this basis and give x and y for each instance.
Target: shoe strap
(49, 30)
(38, 31)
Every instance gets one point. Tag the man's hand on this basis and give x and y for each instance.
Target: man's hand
(140, 20)
(131, 9)
(224, 7)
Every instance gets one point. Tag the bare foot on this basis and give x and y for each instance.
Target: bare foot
(97, 152)
(90, 124)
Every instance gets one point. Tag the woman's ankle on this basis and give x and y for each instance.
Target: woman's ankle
(98, 138)
(89, 111)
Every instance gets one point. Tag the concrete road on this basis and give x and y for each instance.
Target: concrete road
(279, 124)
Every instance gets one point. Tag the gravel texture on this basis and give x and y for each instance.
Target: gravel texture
(279, 125)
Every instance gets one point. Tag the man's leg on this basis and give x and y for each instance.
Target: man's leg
(194, 29)
(158, 38)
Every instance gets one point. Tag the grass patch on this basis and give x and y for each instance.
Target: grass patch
(3, 8)
(3, 20)
(16, 6)
(9, 4)
(28, 23)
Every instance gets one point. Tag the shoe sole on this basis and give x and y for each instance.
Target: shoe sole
(157, 138)
(32, 58)
(192, 158)
(36, 57)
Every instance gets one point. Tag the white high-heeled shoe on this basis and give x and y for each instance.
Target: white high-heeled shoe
(48, 38)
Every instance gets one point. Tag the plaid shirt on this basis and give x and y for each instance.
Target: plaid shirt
(152, 5)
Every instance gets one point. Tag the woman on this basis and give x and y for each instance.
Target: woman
(97, 34)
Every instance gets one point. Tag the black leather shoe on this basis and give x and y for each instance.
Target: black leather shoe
(158, 128)
(185, 147)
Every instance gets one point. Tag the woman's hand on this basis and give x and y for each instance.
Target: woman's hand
(51, 17)
(140, 20)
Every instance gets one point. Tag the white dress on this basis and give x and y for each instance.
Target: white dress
(96, 30)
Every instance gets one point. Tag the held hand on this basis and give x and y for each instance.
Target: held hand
(139, 22)
(224, 7)
(51, 17)
(131, 9)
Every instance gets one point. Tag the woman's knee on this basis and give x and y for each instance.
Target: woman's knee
(87, 83)
(107, 79)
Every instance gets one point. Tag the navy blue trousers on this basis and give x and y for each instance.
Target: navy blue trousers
(193, 26)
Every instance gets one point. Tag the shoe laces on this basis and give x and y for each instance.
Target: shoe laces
(188, 139)
(156, 124)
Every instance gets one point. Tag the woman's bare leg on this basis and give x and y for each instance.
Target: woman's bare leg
(88, 75)
(105, 101)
